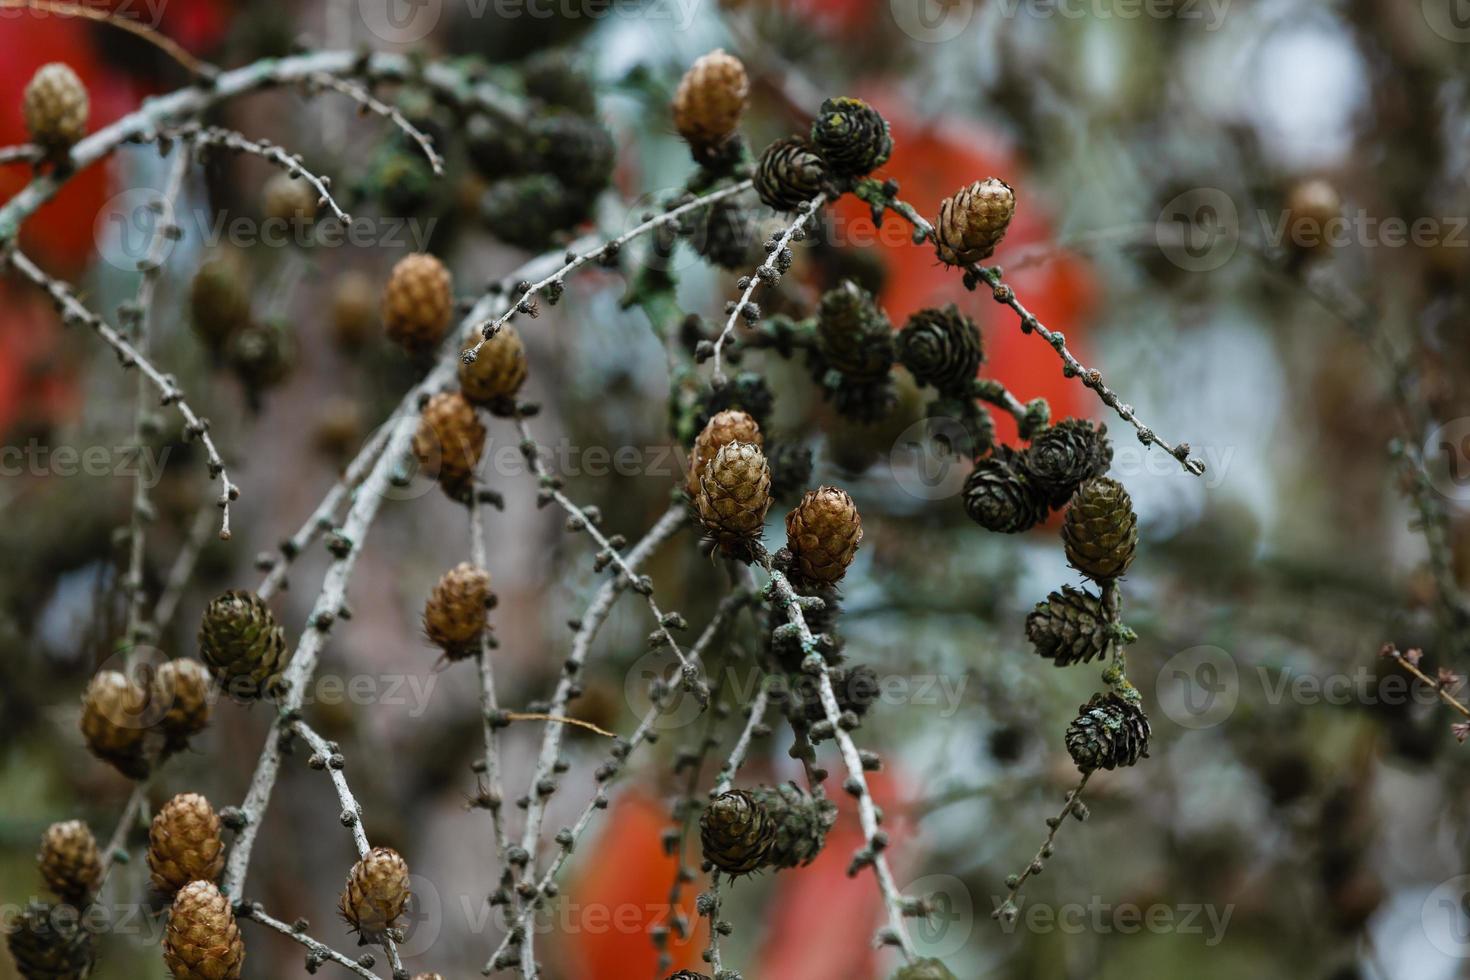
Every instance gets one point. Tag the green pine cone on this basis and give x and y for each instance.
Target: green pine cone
(736, 833)
(941, 348)
(1069, 627)
(576, 151)
(528, 211)
(852, 136)
(498, 148)
(1100, 532)
(999, 498)
(1063, 456)
(48, 945)
(853, 334)
(930, 969)
(1109, 731)
(242, 644)
(801, 823)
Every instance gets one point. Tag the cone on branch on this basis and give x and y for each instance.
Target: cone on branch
(289, 199)
(376, 893)
(48, 943)
(709, 102)
(55, 107)
(184, 844)
(853, 334)
(242, 644)
(972, 222)
(181, 690)
(942, 348)
(926, 969)
(723, 428)
(219, 300)
(801, 823)
(203, 940)
(417, 302)
(789, 174)
(823, 533)
(1063, 456)
(734, 495)
(70, 862)
(1109, 731)
(457, 613)
(449, 442)
(1100, 532)
(736, 833)
(496, 374)
(851, 136)
(115, 721)
(1069, 627)
(999, 498)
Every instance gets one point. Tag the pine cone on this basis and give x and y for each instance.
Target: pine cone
(747, 391)
(576, 151)
(789, 174)
(70, 863)
(709, 102)
(851, 136)
(1100, 532)
(552, 75)
(528, 211)
(496, 374)
(720, 431)
(181, 690)
(801, 823)
(417, 302)
(456, 614)
(354, 310)
(184, 844)
(942, 348)
(262, 355)
(289, 199)
(1069, 627)
(734, 495)
(1062, 457)
(853, 335)
(242, 644)
(115, 723)
(219, 302)
(498, 147)
(55, 107)
(791, 468)
(973, 221)
(929, 969)
(1109, 731)
(823, 533)
(449, 441)
(50, 946)
(725, 234)
(736, 832)
(203, 941)
(999, 498)
(377, 890)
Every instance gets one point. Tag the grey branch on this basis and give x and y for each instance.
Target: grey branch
(229, 139)
(372, 104)
(753, 723)
(489, 703)
(321, 950)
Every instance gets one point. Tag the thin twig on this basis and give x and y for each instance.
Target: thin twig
(559, 719)
(116, 844)
(103, 16)
(229, 139)
(182, 570)
(318, 949)
(371, 103)
(23, 153)
(753, 724)
(1072, 807)
(710, 901)
(489, 702)
(1410, 662)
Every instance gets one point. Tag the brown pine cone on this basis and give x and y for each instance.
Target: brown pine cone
(289, 199)
(723, 428)
(184, 844)
(789, 174)
(736, 833)
(70, 863)
(1100, 532)
(354, 310)
(973, 221)
(181, 690)
(377, 890)
(449, 441)
(55, 106)
(48, 943)
(243, 645)
(497, 372)
(418, 302)
(456, 614)
(734, 495)
(823, 533)
(203, 941)
(710, 100)
(219, 299)
(115, 723)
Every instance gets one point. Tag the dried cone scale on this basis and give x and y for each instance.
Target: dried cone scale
(55, 107)
(455, 616)
(723, 428)
(734, 495)
(823, 533)
(449, 441)
(973, 221)
(203, 940)
(376, 893)
(496, 374)
(184, 844)
(70, 862)
(418, 302)
(710, 100)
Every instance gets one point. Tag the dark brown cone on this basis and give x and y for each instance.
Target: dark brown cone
(736, 833)
(734, 495)
(449, 441)
(203, 941)
(1109, 731)
(70, 863)
(377, 890)
(1069, 627)
(184, 844)
(456, 614)
(1100, 532)
(823, 533)
(417, 302)
(242, 644)
(973, 221)
(723, 428)
(710, 100)
(55, 106)
(181, 690)
(496, 374)
(48, 943)
(789, 174)
(115, 723)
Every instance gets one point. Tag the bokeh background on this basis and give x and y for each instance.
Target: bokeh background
(1303, 812)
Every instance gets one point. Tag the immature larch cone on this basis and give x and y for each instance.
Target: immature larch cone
(1109, 731)
(181, 690)
(1062, 457)
(801, 823)
(496, 374)
(449, 441)
(736, 833)
(973, 221)
(290, 199)
(1100, 532)
(823, 533)
(789, 174)
(710, 100)
(853, 334)
(851, 136)
(219, 302)
(203, 940)
(942, 348)
(723, 428)
(242, 644)
(734, 495)
(377, 890)
(114, 723)
(456, 615)
(1069, 627)
(47, 945)
(55, 106)
(184, 844)
(418, 302)
(999, 498)
(70, 862)
(354, 310)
